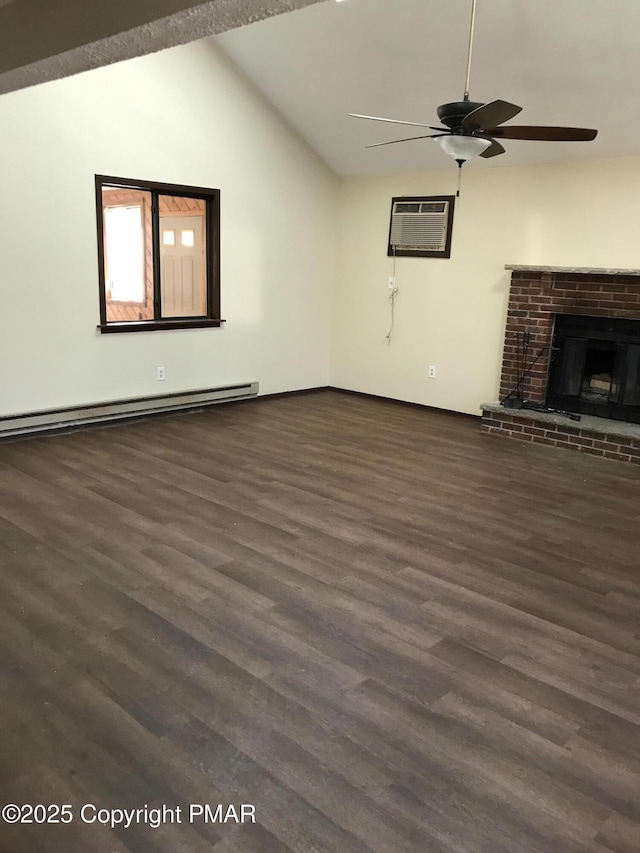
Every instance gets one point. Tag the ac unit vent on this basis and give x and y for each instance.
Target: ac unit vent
(421, 227)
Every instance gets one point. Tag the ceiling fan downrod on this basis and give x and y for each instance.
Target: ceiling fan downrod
(470, 50)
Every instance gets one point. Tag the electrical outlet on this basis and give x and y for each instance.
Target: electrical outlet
(160, 374)
(392, 282)
(432, 371)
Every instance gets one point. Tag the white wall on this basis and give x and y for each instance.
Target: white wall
(451, 313)
(183, 116)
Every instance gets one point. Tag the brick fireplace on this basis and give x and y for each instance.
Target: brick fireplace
(537, 296)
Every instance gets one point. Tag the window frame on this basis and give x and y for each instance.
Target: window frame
(211, 197)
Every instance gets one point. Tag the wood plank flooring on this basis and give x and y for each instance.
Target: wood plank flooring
(387, 632)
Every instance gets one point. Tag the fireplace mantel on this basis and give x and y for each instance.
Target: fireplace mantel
(570, 270)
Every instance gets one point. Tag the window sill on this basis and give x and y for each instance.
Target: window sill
(158, 325)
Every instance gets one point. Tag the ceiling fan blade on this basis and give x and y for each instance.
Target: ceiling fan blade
(543, 134)
(490, 114)
(397, 121)
(409, 139)
(493, 150)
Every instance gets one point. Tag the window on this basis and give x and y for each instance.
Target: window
(421, 226)
(124, 252)
(158, 255)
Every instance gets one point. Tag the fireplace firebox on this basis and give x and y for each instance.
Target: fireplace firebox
(595, 367)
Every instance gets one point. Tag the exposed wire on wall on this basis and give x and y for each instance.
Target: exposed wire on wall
(392, 300)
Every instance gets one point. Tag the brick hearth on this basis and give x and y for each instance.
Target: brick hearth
(595, 436)
(537, 294)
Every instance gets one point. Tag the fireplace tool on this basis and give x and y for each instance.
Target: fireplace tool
(515, 398)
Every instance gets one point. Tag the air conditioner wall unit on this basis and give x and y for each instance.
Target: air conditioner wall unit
(421, 226)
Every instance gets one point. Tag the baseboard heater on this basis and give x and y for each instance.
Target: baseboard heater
(73, 416)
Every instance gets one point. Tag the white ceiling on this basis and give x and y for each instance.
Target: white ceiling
(567, 62)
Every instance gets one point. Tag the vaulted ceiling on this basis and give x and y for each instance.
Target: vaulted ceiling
(567, 62)
(42, 41)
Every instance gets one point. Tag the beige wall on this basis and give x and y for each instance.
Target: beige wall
(302, 310)
(183, 116)
(451, 313)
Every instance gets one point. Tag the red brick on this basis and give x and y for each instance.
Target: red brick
(630, 450)
(566, 284)
(619, 457)
(584, 442)
(603, 445)
(530, 430)
(565, 441)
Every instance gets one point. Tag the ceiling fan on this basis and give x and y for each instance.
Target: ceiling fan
(472, 128)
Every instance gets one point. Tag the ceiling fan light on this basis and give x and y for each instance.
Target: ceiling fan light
(463, 147)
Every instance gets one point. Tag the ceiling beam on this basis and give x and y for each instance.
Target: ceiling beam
(45, 41)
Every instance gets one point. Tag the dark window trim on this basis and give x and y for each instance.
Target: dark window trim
(211, 198)
(157, 325)
(161, 188)
(155, 257)
(419, 253)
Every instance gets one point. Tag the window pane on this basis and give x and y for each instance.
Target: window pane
(125, 248)
(169, 237)
(127, 254)
(183, 265)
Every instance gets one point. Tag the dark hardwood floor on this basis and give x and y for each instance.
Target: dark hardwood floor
(384, 630)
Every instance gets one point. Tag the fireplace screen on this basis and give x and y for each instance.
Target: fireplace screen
(595, 367)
